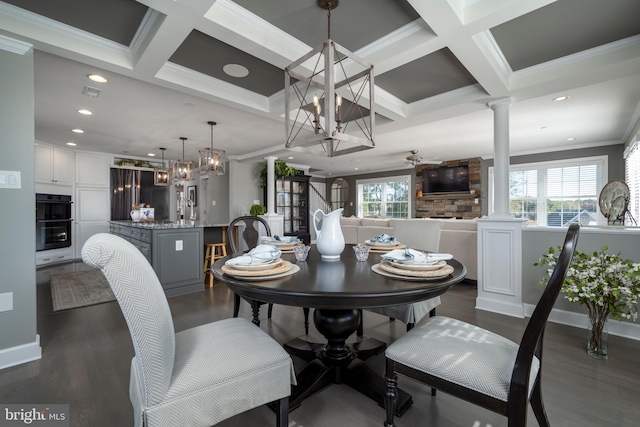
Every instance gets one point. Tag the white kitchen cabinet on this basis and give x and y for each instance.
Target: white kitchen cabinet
(53, 165)
(93, 210)
(92, 170)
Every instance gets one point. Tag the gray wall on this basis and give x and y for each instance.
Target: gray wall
(244, 186)
(537, 240)
(17, 216)
(616, 164)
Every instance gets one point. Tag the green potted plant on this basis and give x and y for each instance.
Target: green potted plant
(257, 210)
(281, 170)
(605, 283)
(126, 162)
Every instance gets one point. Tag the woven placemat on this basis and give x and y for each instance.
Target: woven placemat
(282, 267)
(287, 248)
(386, 248)
(445, 270)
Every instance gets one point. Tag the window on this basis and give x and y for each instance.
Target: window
(632, 177)
(385, 197)
(556, 193)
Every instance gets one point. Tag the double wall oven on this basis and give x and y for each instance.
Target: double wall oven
(53, 221)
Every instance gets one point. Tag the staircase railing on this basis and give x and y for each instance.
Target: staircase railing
(316, 201)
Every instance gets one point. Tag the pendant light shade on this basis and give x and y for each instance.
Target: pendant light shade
(211, 162)
(181, 169)
(162, 175)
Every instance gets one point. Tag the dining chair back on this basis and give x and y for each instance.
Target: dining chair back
(250, 234)
(500, 375)
(427, 240)
(197, 377)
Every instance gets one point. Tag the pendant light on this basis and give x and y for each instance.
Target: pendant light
(162, 175)
(211, 162)
(181, 168)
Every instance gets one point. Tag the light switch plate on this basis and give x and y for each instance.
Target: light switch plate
(6, 301)
(10, 179)
(178, 245)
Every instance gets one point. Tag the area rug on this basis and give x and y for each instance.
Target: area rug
(79, 289)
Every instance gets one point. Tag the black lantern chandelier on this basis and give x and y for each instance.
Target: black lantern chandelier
(162, 175)
(211, 162)
(181, 169)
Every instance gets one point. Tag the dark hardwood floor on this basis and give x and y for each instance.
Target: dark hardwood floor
(87, 353)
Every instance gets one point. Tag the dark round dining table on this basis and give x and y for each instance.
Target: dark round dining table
(338, 290)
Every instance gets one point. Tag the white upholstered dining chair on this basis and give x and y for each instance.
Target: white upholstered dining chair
(197, 377)
(428, 239)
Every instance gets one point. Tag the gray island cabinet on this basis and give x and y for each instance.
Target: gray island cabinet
(175, 252)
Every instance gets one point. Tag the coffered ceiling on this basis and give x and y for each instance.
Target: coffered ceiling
(437, 64)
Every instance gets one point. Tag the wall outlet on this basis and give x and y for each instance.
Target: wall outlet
(476, 200)
(256, 202)
(178, 245)
(6, 301)
(213, 203)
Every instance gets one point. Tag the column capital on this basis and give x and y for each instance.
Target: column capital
(271, 158)
(500, 103)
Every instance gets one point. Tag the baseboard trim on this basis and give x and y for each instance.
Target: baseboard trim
(500, 307)
(20, 354)
(580, 320)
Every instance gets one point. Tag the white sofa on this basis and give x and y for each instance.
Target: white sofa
(459, 237)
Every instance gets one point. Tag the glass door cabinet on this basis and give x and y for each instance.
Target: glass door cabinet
(292, 202)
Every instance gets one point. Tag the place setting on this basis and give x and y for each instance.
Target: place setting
(261, 263)
(411, 264)
(384, 243)
(284, 243)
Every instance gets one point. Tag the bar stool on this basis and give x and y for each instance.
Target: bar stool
(213, 252)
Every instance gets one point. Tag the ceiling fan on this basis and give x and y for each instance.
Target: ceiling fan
(414, 159)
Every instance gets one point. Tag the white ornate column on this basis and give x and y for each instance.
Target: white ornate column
(276, 222)
(500, 235)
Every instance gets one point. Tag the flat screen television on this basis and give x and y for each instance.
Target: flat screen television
(445, 179)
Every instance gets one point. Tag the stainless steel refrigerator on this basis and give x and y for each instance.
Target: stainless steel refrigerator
(133, 187)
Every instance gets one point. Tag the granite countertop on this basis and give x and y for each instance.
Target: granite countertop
(160, 225)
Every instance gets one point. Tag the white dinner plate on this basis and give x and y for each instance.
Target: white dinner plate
(419, 266)
(253, 267)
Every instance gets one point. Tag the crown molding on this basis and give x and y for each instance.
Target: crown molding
(14, 46)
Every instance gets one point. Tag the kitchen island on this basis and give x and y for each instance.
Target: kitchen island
(174, 250)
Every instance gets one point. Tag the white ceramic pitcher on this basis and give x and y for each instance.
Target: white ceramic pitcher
(135, 215)
(329, 237)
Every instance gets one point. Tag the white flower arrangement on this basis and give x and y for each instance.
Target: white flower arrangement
(605, 283)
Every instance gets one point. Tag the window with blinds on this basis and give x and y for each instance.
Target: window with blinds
(556, 193)
(384, 197)
(632, 177)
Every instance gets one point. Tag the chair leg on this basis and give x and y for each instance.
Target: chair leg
(391, 392)
(360, 331)
(410, 326)
(306, 320)
(538, 405)
(236, 305)
(432, 312)
(255, 309)
(282, 412)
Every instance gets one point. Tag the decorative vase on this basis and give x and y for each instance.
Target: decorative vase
(597, 339)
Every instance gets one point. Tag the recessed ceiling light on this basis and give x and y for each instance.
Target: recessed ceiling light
(560, 98)
(235, 70)
(77, 130)
(72, 144)
(151, 155)
(85, 112)
(290, 158)
(571, 139)
(97, 78)
(355, 169)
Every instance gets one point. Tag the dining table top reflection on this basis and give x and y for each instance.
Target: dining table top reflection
(338, 290)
